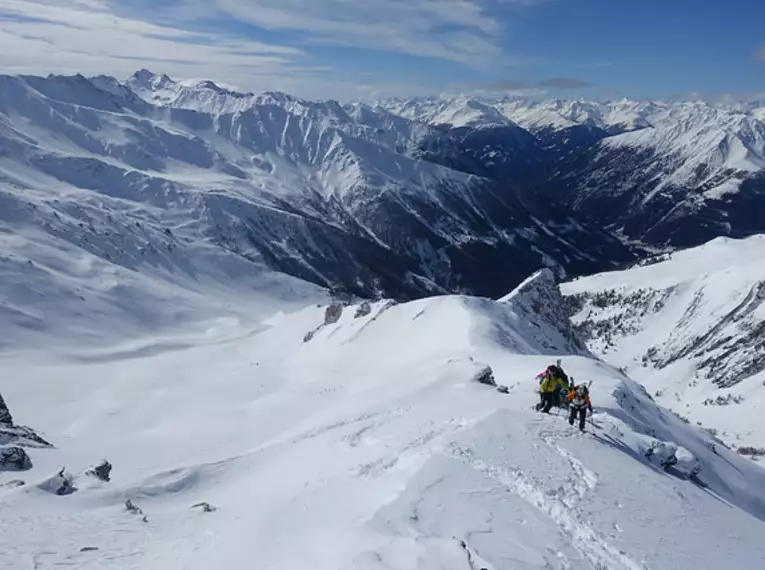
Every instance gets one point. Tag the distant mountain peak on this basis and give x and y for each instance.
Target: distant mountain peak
(150, 80)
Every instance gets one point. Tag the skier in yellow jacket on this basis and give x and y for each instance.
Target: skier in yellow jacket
(553, 381)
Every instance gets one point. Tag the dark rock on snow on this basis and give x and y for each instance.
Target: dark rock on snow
(21, 435)
(14, 459)
(364, 309)
(333, 314)
(206, 507)
(101, 471)
(5, 413)
(485, 376)
(135, 509)
(17, 435)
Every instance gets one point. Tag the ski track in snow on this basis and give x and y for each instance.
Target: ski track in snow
(556, 501)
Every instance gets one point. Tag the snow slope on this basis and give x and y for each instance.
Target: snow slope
(690, 326)
(367, 445)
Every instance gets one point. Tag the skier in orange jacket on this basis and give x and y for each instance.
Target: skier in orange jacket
(579, 399)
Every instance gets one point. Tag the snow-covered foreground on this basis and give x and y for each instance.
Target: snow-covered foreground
(366, 445)
(691, 328)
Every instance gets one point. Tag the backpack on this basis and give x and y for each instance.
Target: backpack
(580, 395)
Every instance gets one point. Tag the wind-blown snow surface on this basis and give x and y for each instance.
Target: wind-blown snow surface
(365, 445)
(690, 326)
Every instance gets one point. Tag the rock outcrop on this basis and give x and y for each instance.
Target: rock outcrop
(364, 309)
(101, 471)
(13, 440)
(485, 376)
(14, 459)
(5, 413)
(333, 313)
(539, 301)
(21, 435)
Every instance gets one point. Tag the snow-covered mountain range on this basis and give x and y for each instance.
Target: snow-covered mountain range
(405, 198)
(691, 327)
(330, 193)
(663, 173)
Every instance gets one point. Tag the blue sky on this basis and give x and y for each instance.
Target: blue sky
(351, 49)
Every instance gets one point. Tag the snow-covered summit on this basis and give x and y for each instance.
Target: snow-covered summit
(683, 136)
(611, 116)
(461, 111)
(647, 165)
(199, 95)
(145, 80)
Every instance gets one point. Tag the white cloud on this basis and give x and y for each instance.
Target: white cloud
(457, 30)
(464, 31)
(85, 32)
(190, 39)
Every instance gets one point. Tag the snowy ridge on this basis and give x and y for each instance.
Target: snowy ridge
(612, 116)
(203, 96)
(690, 144)
(357, 119)
(461, 111)
(690, 327)
(364, 446)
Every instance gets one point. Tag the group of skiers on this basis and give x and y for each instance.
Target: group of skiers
(555, 389)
